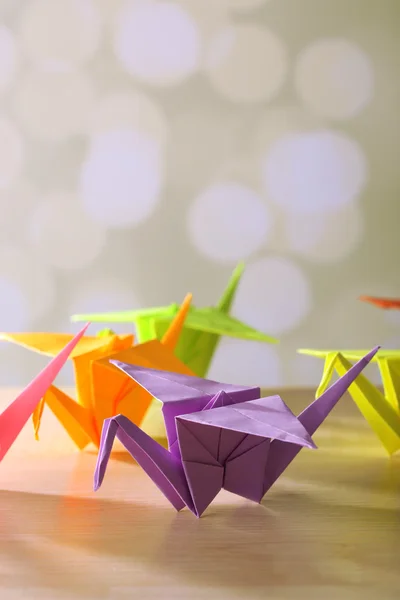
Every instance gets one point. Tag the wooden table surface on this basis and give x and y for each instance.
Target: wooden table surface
(328, 529)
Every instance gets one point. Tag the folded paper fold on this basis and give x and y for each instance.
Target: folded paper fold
(15, 416)
(220, 436)
(202, 329)
(103, 390)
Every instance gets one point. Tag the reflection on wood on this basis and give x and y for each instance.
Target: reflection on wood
(330, 528)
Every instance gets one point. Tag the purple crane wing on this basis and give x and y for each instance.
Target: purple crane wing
(183, 394)
(264, 417)
(174, 387)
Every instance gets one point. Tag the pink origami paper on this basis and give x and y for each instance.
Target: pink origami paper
(219, 436)
(15, 416)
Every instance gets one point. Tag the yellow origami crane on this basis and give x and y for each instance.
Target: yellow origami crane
(102, 389)
(381, 410)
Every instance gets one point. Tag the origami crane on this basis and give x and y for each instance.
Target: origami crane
(219, 436)
(385, 303)
(102, 389)
(202, 331)
(15, 416)
(382, 411)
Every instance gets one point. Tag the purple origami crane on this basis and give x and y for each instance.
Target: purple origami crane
(219, 436)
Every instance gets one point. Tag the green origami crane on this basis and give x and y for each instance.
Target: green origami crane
(202, 331)
(382, 411)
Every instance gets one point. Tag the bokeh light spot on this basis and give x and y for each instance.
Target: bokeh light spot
(246, 363)
(334, 77)
(157, 42)
(274, 295)
(314, 172)
(328, 237)
(121, 178)
(14, 309)
(29, 279)
(63, 234)
(228, 222)
(247, 63)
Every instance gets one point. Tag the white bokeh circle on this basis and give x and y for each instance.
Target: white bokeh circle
(313, 172)
(325, 237)
(14, 306)
(228, 222)
(27, 283)
(246, 363)
(54, 105)
(60, 31)
(247, 63)
(130, 109)
(274, 295)
(8, 57)
(121, 178)
(334, 78)
(11, 153)
(157, 42)
(63, 235)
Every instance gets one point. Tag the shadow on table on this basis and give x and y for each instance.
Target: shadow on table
(295, 538)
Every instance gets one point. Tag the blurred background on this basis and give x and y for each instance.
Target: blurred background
(146, 147)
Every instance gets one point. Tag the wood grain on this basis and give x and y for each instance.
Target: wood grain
(329, 529)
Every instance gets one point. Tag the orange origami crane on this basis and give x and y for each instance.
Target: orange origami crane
(385, 303)
(14, 417)
(103, 390)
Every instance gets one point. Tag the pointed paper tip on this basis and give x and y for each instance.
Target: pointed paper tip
(238, 270)
(306, 351)
(84, 328)
(368, 357)
(80, 318)
(171, 337)
(187, 299)
(312, 445)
